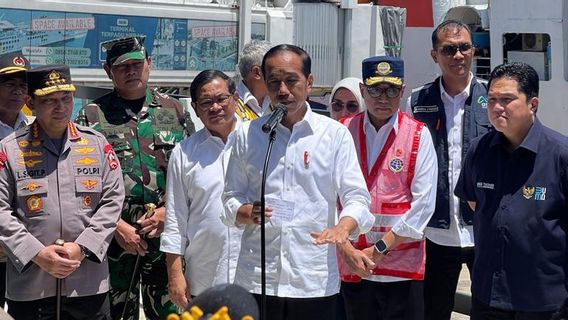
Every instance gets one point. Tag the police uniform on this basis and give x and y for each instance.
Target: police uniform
(143, 141)
(74, 193)
(520, 221)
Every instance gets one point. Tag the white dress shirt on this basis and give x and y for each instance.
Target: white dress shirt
(310, 168)
(250, 100)
(423, 186)
(193, 226)
(459, 234)
(21, 121)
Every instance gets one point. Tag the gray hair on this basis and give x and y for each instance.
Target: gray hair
(252, 55)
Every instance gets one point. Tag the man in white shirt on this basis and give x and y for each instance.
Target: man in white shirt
(454, 108)
(13, 92)
(253, 95)
(399, 164)
(13, 95)
(313, 164)
(193, 228)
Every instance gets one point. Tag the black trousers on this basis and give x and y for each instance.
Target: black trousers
(368, 300)
(279, 308)
(443, 267)
(96, 307)
(481, 311)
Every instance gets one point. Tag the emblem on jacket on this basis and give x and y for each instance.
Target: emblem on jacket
(396, 165)
(538, 193)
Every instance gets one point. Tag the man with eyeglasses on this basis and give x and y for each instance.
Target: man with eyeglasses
(454, 108)
(382, 271)
(143, 126)
(193, 232)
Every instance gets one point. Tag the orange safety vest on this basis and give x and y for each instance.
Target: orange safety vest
(389, 182)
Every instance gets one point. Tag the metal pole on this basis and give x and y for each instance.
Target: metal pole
(58, 242)
(149, 213)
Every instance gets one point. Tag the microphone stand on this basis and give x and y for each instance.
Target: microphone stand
(271, 138)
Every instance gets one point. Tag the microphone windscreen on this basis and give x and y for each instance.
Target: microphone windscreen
(239, 301)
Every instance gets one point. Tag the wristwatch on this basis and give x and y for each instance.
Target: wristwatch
(381, 247)
(85, 251)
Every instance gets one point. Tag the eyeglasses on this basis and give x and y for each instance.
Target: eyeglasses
(375, 91)
(207, 104)
(452, 49)
(337, 106)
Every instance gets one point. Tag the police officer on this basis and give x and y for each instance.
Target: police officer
(58, 181)
(13, 92)
(143, 126)
(13, 96)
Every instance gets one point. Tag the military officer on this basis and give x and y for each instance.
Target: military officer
(143, 126)
(58, 181)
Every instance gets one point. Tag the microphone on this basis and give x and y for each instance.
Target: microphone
(226, 301)
(275, 118)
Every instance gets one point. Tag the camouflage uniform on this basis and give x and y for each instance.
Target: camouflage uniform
(143, 143)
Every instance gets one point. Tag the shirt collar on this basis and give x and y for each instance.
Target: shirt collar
(392, 123)
(531, 141)
(308, 121)
(21, 121)
(247, 97)
(462, 95)
(210, 136)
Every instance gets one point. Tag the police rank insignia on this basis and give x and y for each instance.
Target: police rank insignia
(111, 157)
(30, 153)
(23, 143)
(34, 203)
(83, 141)
(396, 165)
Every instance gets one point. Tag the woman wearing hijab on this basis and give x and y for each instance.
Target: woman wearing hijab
(346, 98)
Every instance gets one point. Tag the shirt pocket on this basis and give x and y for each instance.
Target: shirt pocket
(165, 141)
(32, 197)
(124, 152)
(88, 194)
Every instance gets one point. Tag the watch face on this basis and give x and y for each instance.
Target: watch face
(381, 246)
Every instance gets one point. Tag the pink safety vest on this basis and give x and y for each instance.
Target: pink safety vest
(389, 183)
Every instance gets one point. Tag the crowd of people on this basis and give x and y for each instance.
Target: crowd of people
(375, 208)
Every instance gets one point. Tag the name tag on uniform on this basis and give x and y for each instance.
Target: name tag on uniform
(485, 185)
(282, 210)
(425, 109)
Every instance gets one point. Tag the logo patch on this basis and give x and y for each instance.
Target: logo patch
(36, 143)
(111, 157)
(538, 193)
(23, 143)
(87, 201)
(384, 68)
(3, 159)
(30, 163)
(396, 165)
(482, 100)
(34, 204)
(89, 184)
(84, 150)
(87, 161)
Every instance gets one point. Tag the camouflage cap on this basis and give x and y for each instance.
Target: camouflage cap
(124, 49)
(49, 79)
(13, 63)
